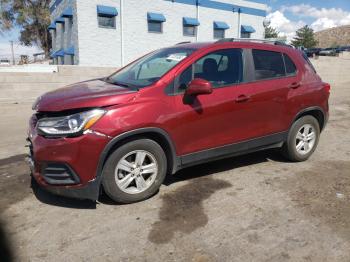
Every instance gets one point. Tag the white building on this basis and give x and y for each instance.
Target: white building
(115, 32)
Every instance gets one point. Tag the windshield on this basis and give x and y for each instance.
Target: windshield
(150, 68)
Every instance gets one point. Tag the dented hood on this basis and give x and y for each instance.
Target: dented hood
(94, 93)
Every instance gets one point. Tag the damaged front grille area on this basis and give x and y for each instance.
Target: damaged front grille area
(58, 174)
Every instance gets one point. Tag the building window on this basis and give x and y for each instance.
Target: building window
(245, 35)
(190, 30)
(247, 31)
(190, 26)
(219, 29)
(155, 22)
(106, 21)
(219, 33)
(155, 27)
(106, 16)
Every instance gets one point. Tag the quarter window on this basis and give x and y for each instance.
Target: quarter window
(221, 68)
(268, 64)
(291, 69)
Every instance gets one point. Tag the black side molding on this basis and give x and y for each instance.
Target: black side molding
(270, 141)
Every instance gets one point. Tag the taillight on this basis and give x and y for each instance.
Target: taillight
(327, 87)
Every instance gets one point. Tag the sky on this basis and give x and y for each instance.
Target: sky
(286, 16)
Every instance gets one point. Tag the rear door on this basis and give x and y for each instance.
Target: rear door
(273, 75)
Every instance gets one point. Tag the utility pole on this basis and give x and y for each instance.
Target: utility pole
(13, 53)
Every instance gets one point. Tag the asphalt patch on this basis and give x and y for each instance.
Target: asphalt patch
(182, 210)
(323, 192)
(14, 181)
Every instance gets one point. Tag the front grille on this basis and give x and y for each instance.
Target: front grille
(59, 174)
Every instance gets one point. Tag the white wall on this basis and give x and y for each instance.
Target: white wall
(138, 40)
(101, 46)
(97, 46)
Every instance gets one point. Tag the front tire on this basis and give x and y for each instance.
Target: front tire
(134, 171)
(302, 139)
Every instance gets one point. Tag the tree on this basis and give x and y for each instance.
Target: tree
(305, 37)
(32, 17)
(270, 32)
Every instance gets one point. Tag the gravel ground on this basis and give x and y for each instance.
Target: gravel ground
(256, 207)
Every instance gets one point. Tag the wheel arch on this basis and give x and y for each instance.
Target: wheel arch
(157, 134)
(316, 112)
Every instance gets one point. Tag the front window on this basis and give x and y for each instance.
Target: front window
(221, 68)
(150, 68)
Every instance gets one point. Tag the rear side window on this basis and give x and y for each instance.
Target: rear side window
(291, 69)
(268, 64)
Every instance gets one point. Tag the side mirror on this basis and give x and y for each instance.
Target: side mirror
(199, 86)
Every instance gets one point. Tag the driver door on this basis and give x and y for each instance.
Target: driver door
(216, 119)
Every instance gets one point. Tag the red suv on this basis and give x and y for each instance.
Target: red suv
(173, 108)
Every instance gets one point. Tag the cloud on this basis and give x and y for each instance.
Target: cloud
(324, 18)
(283, 25)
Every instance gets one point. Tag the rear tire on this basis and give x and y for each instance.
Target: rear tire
(302, 139)
(134, 171)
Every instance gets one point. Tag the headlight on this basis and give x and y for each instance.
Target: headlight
(70, 125)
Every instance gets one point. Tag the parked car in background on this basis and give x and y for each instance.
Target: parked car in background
(174, 108)
(4, 62)
(341, 49)
(310, 52)
(328, 52)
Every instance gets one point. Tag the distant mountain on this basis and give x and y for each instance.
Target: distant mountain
(337, 36)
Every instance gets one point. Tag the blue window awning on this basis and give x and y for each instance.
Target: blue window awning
(247, 29)
(107, 11)
(221, 25)
(59, 53)
(67, 12)
(52, 26)
(59, 20)
(156, 17)
(188, 21)
(69, 51)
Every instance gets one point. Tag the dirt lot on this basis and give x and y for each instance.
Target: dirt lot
(251, 208)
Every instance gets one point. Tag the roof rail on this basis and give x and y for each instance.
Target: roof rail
(265, 41)
(181, 43)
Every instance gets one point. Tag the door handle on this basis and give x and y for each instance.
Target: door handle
(242, 98)
(294, 85)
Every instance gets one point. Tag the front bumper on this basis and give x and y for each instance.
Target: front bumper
(67, 166)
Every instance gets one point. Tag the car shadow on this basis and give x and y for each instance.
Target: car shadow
(213, 167)
(48, 198)
(189, 173)
(224, 165)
